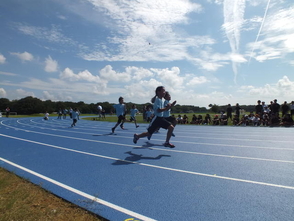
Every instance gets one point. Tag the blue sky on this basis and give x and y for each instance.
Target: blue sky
(204, 52)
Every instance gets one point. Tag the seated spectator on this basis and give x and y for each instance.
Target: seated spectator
(200, 119)
(244, 121)
(287, 121)
(46, 117)
(180, 119)
(185, 119)
(250, 118)
(274, 120)
(194, 119)
(215, 120)
(223, 119)
(256, 120)
(236, 120)
(207, 119)
(265, 120)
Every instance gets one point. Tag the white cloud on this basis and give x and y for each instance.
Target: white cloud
(139, 73)
(68, 74)
(170, 78)
(3, 92)
(25, 56)
(282, 90)
(51, 65)
(48, 96)
(277, 35)
(23, 93)
(135, 24)
(109, 74)
(7, 73)
(53, 34)
(197, 81)
(2, 59)
(142, 91)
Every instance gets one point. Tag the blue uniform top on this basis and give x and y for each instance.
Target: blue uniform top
(134, 112)
(119, 109)
(158, 104)
(167, 112)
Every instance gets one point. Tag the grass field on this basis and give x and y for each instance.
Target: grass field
(22, 200)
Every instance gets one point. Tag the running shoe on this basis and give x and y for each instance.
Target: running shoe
(122, 127)
(112, 129)
(136, 138)
(166, 144)
(137, 126)
(149, 137)
(173, 135)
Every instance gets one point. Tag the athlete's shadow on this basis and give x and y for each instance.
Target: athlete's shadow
(136, 157)
(108, 134)
(148, 145)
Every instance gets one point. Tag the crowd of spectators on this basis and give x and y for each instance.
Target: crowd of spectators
(272, 115)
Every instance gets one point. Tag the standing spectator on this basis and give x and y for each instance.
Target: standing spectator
(237, 110)
(292, 109)
(99, 110)
(64, 113)
(7, 111)
(275, 109)
(229, 112)
(285, 108)
(59, 114)
(74, 116)
(70, 112)
(259, 108)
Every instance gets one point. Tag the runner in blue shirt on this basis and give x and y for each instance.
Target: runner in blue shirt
(134, 111)
(120, 110)
(158, 119)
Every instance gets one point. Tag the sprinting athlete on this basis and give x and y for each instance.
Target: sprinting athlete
(134, 111)
(158, 120)
(120, 110)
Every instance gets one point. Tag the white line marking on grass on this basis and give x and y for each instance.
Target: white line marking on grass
(103, 202)
(155, 166)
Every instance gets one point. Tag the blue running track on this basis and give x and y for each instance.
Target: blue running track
(213, 173)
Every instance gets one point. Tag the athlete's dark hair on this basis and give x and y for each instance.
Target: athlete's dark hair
(159, 88)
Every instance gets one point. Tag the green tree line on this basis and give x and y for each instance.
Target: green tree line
(31, 105)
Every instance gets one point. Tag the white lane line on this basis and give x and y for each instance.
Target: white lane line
(212, 138)
(170, 150)
(155, 166)
(92, 198)
(186, 142)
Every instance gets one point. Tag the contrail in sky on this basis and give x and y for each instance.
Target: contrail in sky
(261, 26)
(233, 21)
